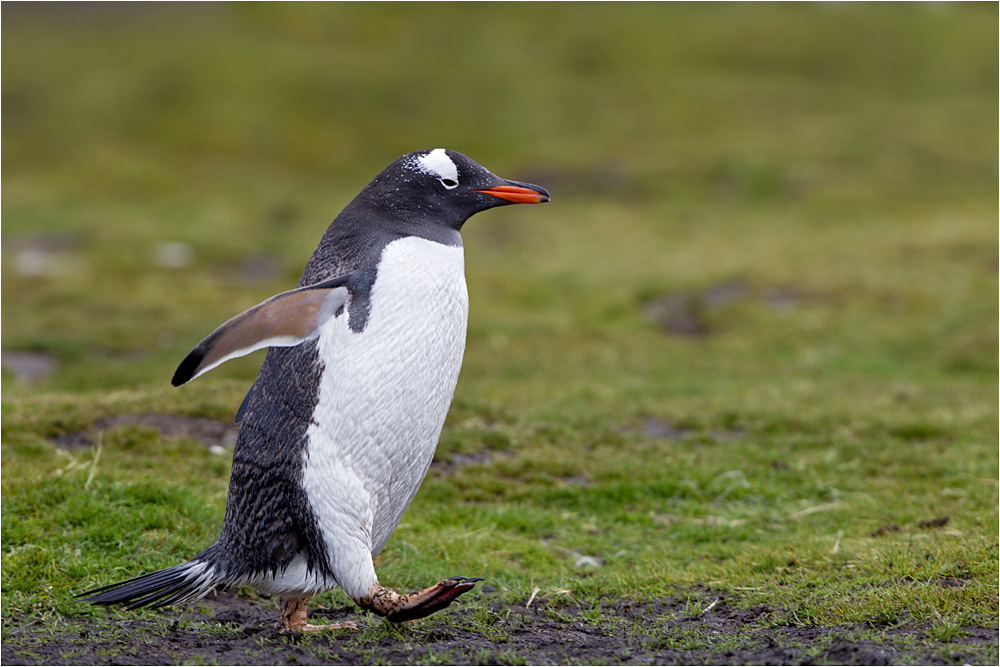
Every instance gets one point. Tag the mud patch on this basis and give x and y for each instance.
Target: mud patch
(229, 629)
(692, 313)
(657, 428)
(214, 434)
(455, 461)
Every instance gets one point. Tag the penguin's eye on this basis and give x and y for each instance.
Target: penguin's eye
(449, 183)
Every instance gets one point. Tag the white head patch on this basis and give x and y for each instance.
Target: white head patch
(438, 164)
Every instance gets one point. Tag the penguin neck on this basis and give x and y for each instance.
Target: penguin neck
(355, 240)
(427, 230)
(365, 216)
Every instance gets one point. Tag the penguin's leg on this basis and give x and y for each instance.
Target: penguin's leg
(293, 617)
(399, 608)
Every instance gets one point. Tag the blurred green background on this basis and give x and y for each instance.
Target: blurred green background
(766, 283)
(165, 166)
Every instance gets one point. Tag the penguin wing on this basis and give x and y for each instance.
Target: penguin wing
(284, 320)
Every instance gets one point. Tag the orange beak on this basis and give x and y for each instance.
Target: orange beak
(517, 194)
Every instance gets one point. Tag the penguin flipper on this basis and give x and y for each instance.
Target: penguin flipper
(284, 320)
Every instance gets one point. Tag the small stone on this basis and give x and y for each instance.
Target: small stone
(28, 366)
(589, 561)
(173, 254)
(655, 428)
(32, 262)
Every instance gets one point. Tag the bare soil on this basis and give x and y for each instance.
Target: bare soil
(209, 432)
(229, 629)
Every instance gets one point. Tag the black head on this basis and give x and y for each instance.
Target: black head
(440, 187)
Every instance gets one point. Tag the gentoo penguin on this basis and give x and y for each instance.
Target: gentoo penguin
(340, 427)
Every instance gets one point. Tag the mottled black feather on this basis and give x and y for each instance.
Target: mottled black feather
(269, 518)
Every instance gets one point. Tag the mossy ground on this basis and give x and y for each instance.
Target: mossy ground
(748, 351)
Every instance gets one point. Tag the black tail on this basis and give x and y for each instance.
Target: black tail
(179, 583)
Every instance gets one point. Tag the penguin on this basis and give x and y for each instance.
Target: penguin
(339, 429)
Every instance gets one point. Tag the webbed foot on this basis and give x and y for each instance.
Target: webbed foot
(399, 608)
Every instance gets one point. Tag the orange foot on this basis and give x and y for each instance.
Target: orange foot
(293, 617)
(398, 608)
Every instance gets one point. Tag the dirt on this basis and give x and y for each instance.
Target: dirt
(693, 313)
(229, 629)
(214, 434)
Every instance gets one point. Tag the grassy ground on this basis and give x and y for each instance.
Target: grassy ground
(749, 350)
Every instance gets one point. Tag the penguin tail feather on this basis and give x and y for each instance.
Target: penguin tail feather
(189, 581)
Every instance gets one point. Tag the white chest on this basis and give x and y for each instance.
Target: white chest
(385, 392)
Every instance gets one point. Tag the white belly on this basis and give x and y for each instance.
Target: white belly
(385, 393)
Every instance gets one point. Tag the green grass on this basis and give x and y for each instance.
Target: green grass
(836, 164)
